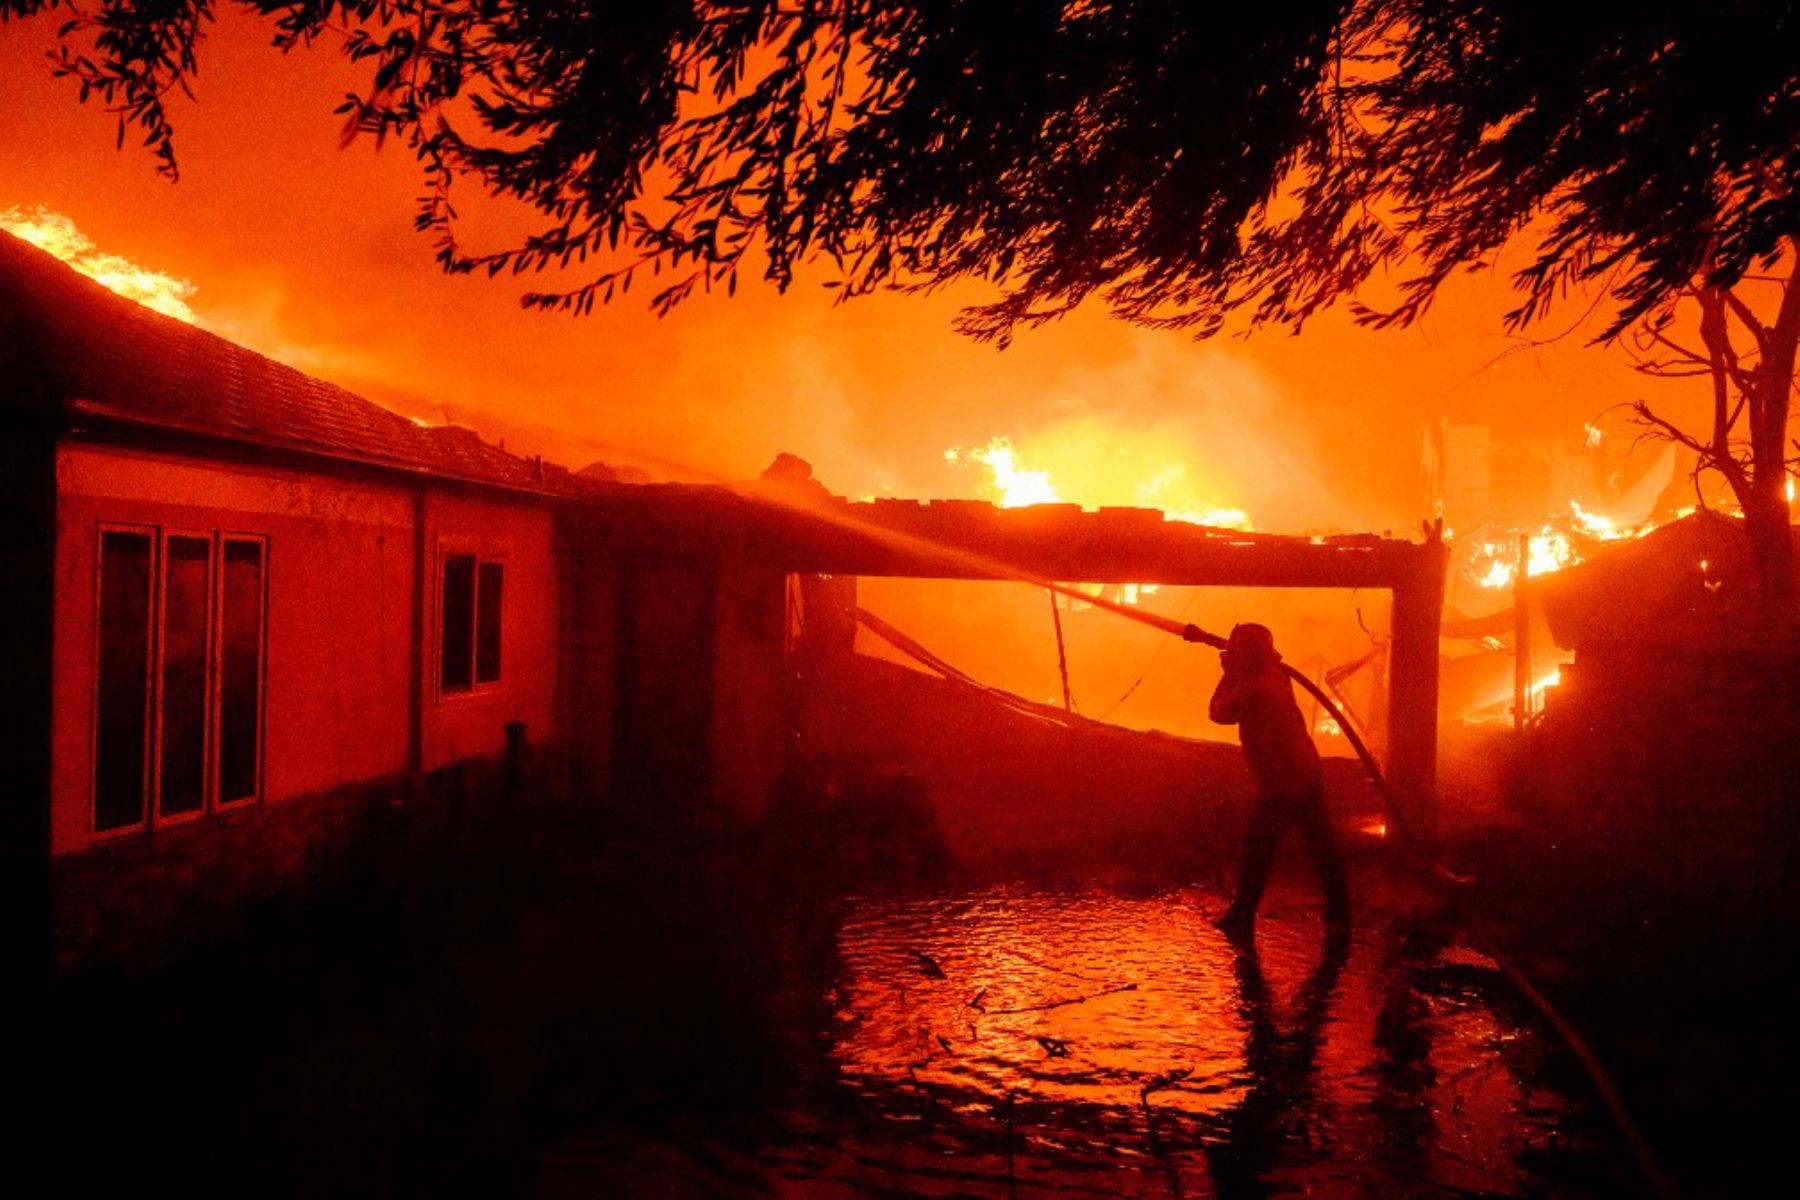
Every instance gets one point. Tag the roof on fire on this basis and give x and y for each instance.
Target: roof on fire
(1690, 583)
(107, 359)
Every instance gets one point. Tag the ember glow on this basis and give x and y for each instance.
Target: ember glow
(56, 233)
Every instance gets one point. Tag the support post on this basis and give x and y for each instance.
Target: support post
(1413, 683)
(1062, 654)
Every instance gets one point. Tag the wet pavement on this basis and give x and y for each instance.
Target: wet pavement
(583, 1016)
(1009, 1040)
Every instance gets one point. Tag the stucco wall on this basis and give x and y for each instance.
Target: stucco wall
(472, 724)
(339, 574)
(339, 628)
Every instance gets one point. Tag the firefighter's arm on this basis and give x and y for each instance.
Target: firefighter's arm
(1226, 700)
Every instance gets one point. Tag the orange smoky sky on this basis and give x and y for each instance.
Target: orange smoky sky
(305, 251)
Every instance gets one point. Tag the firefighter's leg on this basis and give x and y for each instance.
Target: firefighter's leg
(1321, 844)
(1268, 822)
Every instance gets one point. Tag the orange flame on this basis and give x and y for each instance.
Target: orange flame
(54, 232)
(1496, 564)
(1543, 683)
(1013, 485)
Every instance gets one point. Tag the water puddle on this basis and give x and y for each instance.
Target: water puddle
(1010, 1041)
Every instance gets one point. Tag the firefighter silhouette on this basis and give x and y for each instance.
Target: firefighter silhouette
(1257, 697)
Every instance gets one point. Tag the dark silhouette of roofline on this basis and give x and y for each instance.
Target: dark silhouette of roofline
(113, 367)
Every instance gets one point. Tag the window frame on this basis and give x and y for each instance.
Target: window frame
(481, 555)
(150, 815)
(158, 668)
(215, 672)
(152, 708)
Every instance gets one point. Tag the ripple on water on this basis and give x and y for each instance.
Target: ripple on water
(1087, 1030)
(1012, 1041)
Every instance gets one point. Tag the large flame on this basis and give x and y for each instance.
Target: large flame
(1495, 564)
(1014, 485)
(54, 232)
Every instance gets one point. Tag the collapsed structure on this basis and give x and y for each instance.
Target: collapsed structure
(246, 607)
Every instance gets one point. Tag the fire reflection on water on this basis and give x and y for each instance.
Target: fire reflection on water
(1043, 1037)
(1010, 1011)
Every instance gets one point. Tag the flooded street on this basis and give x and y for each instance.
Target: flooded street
(1013, 1041)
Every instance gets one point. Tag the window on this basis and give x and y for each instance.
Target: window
(178, 707)
(240, 671)
(122, 709)
(187, 563)
(470, 623)
(487, 622)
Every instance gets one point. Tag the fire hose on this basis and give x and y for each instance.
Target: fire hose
(1396, 815)
(801, 501)
(1451, 883)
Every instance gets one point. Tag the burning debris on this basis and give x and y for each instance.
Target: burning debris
(1492, 556)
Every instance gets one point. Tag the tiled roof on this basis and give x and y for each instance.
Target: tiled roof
(108, 357)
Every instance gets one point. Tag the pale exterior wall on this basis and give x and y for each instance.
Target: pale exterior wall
(338, 631)
(339, 627)
(468, 725)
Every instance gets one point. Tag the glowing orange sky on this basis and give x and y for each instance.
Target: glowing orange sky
(306, 251)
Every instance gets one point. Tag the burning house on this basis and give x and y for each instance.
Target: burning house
(1692, 595)
(1664, 629)
(263, 602)
(1664, 683)
(270, 608)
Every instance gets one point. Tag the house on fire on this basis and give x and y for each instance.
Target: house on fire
(1663, 627)
(247, 610)
(244, 606)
